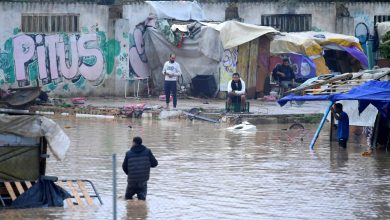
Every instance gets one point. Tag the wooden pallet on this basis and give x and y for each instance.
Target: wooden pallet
(81, 194)
(337, 84)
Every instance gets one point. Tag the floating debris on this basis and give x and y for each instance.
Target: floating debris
(244, 126)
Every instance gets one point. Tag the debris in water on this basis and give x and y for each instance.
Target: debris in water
(296, 125)
(367, 153)
(244, 126)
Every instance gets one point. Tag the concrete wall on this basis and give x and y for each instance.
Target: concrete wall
(123, 44)
(136, 13)
(11, 14)
(323, 14)
(365, 12)
(91, 78)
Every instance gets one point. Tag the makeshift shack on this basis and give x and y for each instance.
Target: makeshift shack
(24, 144)
(342, 53)
(365, 96)
(247, 51)
(199, 49)
(329, 52)
(198, 52)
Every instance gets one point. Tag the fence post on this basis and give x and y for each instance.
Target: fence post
(114, 184)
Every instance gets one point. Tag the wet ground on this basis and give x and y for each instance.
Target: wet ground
(257, 107)
(206, 172)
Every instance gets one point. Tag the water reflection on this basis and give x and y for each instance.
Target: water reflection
(136, 210)
(206, 172)
(338, 156)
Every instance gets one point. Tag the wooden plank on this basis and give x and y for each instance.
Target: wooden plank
(28, 184)
(19, 187)
(252, 68)
(74, 192)
(85, 192)
(333, 79)
(10, 190)
(326, 89)
(243, 61)
(69, 201)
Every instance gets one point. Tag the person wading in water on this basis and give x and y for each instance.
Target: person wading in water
(137, 163)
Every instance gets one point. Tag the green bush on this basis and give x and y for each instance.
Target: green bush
(384, 47)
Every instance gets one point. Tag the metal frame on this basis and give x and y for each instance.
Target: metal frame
(138, 79)
(96, 195)
(92, 185)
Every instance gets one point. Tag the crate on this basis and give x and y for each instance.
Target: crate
(236, 107)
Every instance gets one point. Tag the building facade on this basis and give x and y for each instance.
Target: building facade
(91, 47)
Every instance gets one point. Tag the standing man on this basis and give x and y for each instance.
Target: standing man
(236, 91)
(343, 125)
(171, 71)
(284, 74)
(137, 163)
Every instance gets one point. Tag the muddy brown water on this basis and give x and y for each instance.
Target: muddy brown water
(206, 172)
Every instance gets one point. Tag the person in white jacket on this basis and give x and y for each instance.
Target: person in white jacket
(171, 71)
(236, 91)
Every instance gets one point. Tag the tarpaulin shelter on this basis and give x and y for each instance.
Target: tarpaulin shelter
(198, 55)
(200, 52)
(24, 140)
(246, 52)
(309, 51)
(341, 42)
(376, 93)
(35, 126)
(312, 45)
(234, 33)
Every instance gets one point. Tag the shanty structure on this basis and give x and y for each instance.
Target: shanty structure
(25, 143)
(365, 96)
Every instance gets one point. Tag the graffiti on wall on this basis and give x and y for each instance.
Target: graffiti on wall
(122, 66)
(363, 17)
(51, 59)
(138, 61)
(364, 26)
(227, 67)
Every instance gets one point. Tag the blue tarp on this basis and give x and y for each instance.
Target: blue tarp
(44, 193)
(372, 92)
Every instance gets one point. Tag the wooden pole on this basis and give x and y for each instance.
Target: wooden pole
(331, 127)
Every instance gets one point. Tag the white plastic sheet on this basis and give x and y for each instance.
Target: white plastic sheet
(366, 118)
(383, 28)
(179, 10)
(198, 56)
(234, 33)
(37, 126)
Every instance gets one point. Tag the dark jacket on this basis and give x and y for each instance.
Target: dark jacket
(137, 163)
(238, 87)
(287, 70)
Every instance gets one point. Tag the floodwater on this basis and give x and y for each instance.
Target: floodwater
(206, 172)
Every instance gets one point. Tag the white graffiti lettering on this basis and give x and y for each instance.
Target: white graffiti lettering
(57, 58)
